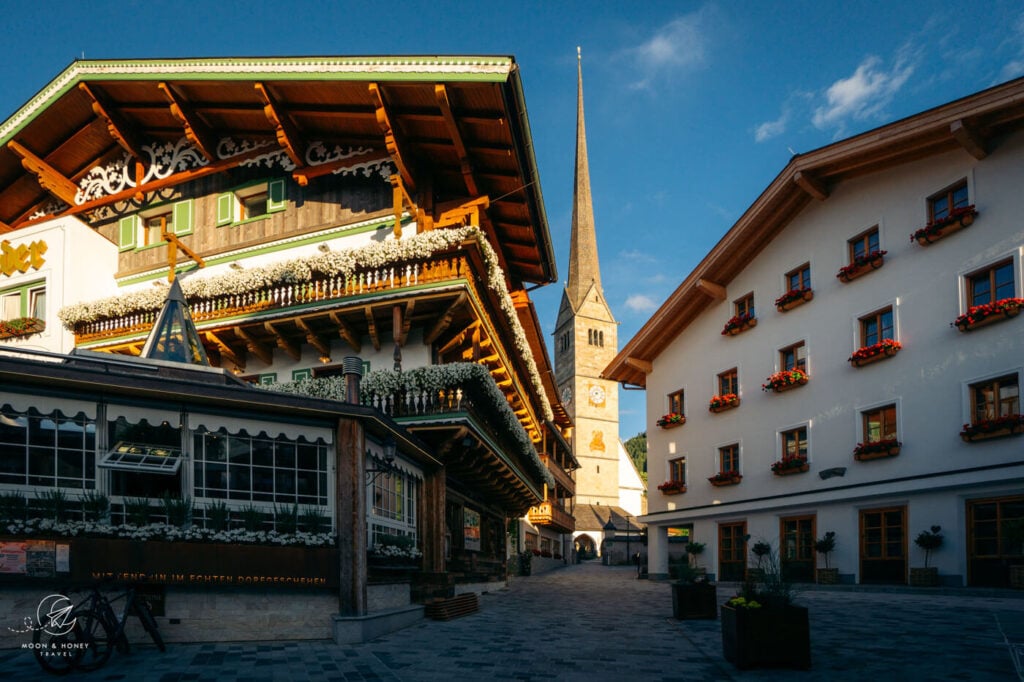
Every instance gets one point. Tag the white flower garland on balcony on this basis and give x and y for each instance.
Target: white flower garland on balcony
(163, 531)
(429, 379)
(345, 263)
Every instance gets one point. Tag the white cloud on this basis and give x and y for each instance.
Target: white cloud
(863, 95)
(637, 256)
(770, 129)
(639, 303)
(679, 44)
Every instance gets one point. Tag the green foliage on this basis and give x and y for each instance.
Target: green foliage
(13, 507)
(252, 518)
(929, 542)
(637, 449)
(825, 545)
(137, 511)
(286, 520)
(95, 506)
(312, 521)
(53, 504)
(178, 510)
(218, 516)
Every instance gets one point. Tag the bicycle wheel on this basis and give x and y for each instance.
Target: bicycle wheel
(148, 622)
(56, 654)
(96, 634)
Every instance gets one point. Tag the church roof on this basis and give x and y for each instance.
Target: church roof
(584, 268)
(594, 517)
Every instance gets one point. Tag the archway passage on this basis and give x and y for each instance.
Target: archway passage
(586, 547)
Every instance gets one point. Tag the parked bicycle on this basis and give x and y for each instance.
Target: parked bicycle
(90, 631)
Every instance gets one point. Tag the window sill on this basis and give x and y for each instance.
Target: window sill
(807, 295)
(933, 233)
(853, 271)
(721, 482)
(882, 454)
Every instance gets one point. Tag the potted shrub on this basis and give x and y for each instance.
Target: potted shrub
(824, 546)
(761, 626)
(929, 541)
(693, 597)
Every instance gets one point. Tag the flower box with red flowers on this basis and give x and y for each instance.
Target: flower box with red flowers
(785, 380)
(672, 488)
(739, 323)
(862, 265)
(978, 316)
(671, 420)
(21, 326)
(998, 427)
(721, 403)
(937, 229)
(890, 447)
(790, 465)
(723, 478)
(793, 298)
(886, 348)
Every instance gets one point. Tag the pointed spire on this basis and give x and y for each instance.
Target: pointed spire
(584, 268)
(174, 337)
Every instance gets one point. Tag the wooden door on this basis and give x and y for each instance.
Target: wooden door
(883, 545)
(732, 551)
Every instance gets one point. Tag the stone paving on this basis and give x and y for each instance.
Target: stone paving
(591, 622)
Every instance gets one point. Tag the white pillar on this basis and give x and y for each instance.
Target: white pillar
(657, 552)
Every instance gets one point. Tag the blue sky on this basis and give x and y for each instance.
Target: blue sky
(692, 108)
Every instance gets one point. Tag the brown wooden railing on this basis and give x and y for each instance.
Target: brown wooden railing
(561, 476)
(548, 513)
(320, 288)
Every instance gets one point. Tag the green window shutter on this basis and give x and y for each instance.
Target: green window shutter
(276, 200)
(299, 374)
(225, 209)
(182, 218)
(127, 232)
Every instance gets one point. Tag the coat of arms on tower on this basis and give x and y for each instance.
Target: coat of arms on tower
(597, 442)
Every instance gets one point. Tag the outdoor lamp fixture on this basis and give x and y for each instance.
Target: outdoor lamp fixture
(387, 467)
(325, 359)
(323, 248)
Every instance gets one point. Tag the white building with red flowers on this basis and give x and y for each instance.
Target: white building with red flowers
(848, 359)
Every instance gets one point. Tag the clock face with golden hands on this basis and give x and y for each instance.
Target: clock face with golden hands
(597, 396)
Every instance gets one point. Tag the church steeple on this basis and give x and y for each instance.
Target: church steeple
(584, 268)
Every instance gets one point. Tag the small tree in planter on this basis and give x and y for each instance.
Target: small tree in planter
(824, 546)
(693, 597)
(929, 541)
(762, 551)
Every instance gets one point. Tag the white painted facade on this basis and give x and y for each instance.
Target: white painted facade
(936, 474)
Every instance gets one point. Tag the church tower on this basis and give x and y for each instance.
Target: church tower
(586, 342)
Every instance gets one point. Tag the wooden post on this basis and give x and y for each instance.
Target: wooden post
(432, 516)
(351, 517)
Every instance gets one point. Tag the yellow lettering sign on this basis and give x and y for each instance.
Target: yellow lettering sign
(20, 258)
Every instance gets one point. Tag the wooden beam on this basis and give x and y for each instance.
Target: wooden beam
(642, 365)
(118, 128)
(293, 351)
(47, 176)
(314, 339)
(261, 350)
(969, 139)
(195, 130)
(441, 95)
(811, 184)
(225, 350)
(445, 320)
(406, 322)
(715, 291)
(346, 332)
(287, 135)
(371, 324)
(459, 338)
(390, 140)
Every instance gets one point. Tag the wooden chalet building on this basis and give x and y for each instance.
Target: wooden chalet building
(384, 211)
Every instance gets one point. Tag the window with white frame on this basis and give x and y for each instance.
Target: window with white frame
(24, 300)
(47, 449)
(794, 443)
(392, 505)
(146, 228)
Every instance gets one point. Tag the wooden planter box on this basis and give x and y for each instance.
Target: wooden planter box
(771, 636)
(866, 456)
(966, 220)
(789, 387)
(695, 601)
(871, 265)
(675, 490)
(793, 470)
(725, 407)
(1005, 432)
(887, 353)
(828, 576)
(991, 319)
(796, 302)
(924, 577)
(672, 425)
(719, 482)
(31, 325)
(749, 324)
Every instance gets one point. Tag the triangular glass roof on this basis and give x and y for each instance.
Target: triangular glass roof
(174, 337)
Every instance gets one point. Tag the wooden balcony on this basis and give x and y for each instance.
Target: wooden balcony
(562, 477)
(550, 515)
